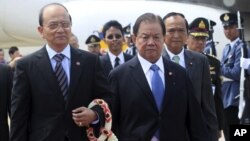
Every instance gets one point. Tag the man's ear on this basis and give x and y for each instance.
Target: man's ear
(40, 30)
(133, 38)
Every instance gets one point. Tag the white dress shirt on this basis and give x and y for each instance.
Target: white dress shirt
(65, 61)
(148, 72)
(181, 55)
(112, 58)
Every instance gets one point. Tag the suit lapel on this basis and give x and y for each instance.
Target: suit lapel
(44, 65)
(170, 84)
(75, 71)
(139, 77)
(189, 61)
(107, 64)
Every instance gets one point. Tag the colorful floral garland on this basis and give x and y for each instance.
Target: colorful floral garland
(105, 131)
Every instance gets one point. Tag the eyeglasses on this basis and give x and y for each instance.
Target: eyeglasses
(115, 36)
(55, 25)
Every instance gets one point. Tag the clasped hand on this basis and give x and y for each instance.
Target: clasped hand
(83, 116)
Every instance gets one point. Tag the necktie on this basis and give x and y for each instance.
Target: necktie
(157, 86)
(61, 75)
(157, 90)
(176, 59)
(117, 59)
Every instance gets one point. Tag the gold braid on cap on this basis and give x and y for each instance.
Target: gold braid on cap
(105, 131)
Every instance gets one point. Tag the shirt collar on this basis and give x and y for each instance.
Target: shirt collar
(52, 53)
(171, 55)
(146, 64)
(233, 42)
(112, 56)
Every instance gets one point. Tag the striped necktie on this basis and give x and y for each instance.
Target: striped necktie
(61, 75)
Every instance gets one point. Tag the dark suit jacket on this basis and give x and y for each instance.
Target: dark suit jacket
(5, 93)
(106, 64)
(214, 67)
(39, 112)
(198, 69)
(135, 115)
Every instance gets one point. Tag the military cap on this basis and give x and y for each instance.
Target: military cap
(199, 27)
(92, 39)
(127, 30)
(228, 19)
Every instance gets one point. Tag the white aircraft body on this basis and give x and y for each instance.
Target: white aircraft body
(19, 19)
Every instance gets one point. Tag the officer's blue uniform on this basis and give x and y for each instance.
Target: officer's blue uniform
(230, 68)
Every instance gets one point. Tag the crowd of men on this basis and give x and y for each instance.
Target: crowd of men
(164, 87)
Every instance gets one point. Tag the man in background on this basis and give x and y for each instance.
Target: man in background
(2, 60)
(197, 36)
(230, 70)
(14, 56)
(5, 94)
(73, 41)
(93, 43)
(128, 40)
(113, 37)
(196, 65)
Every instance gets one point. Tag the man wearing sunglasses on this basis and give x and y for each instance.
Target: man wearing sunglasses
(113, 37)
(198, 34)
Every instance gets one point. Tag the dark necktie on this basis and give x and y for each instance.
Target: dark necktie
(61, 75)
(117, 59)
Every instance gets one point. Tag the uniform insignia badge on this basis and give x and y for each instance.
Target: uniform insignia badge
(226, 17)
(202, 25)
(92, 40)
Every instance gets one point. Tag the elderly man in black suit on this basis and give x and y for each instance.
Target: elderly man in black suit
(196, 64)
(5, 94)
(53, 87)
(153, 96)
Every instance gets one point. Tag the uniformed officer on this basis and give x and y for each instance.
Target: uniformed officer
(93, 43)
(198, 34)
(230, 70)
(128, 40)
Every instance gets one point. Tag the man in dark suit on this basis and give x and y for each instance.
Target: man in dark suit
(195, 63)
(5, 93)
(113, 37)
(53, 86)
(198, 34)
(142, 114)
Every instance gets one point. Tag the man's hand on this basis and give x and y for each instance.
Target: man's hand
(83, 116)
